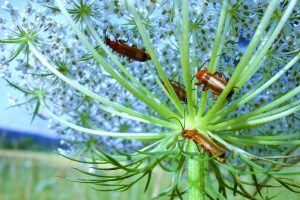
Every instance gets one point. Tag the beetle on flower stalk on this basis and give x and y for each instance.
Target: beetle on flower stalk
(208, 145)
(179, 90)
(131, 52)
(216, 82)
(203, 141)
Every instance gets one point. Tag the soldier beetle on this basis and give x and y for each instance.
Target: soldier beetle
(179, 90)
(207, 144)
(216, 82)
(132, 52)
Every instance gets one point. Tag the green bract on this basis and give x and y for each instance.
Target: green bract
(257, 147)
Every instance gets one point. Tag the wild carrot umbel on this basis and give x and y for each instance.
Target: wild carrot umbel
(127, 117)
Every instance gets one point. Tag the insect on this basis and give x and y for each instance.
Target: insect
(207, 144)
(132, 52)
(179, 90)
(216, 82)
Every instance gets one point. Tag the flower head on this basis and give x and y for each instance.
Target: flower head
(244, 113)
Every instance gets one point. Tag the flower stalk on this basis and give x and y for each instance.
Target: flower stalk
(196, 175)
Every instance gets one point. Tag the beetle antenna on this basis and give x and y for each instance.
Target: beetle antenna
(220, 54)
(193, 78)
(178, 121)
(201, 67)
(104, 32)
(158, 74)
(184, 118)
(204, 63)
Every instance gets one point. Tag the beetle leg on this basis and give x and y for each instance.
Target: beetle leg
(122, 41)
(225, 77)
(115, 38)
(178, 84)
(217, 74)
(204, 88)
(199, 82)
(214, 96)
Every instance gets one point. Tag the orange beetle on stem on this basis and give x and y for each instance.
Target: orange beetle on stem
(207, 144)
(216, 82)
(132, 52)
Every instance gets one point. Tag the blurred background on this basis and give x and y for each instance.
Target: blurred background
(30, 167)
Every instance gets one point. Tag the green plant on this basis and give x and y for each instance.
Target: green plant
(81, 81)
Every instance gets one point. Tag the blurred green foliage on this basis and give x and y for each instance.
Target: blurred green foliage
(41, 176)
(24, 144)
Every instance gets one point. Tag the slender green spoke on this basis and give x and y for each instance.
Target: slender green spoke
(215, 60)
(165, 112)
(258, 57)
(220, 35)
(99, 132)
(140, 117)
(278, 110)
(228, 146)
(194, 67)
(279, 137)
(265, 108)
(12, 41)
(215, 50)
(185, 58)
(124, 112)
(245, 58)
(204, 95)
(250, 95)
(117, 62)
(257, 122)
(254, 67)
(174, 99)
(252, 142)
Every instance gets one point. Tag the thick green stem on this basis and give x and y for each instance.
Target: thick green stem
(196, 175)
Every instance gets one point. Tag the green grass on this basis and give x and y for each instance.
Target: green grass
(30, 175)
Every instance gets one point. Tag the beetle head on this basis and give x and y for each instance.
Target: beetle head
(200, 75)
